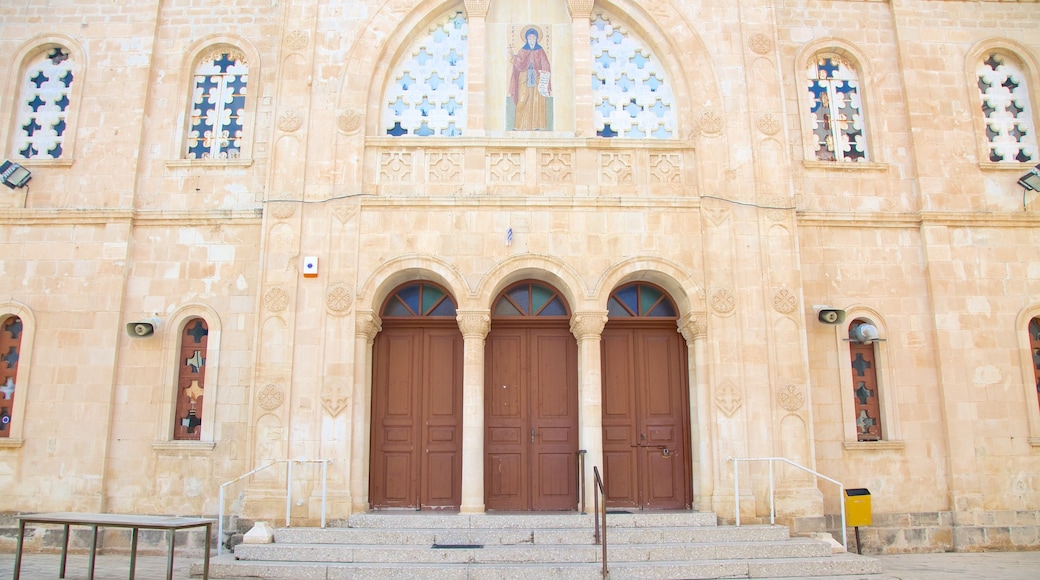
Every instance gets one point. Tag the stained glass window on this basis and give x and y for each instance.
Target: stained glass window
(10, 348)
(640, 300)
(419, 299)
(44, 105)
(836, 109)
(865, 387)
(1034, 345)
(631, 94)
(1005, 107)
(191, 383)
(217, 103)
(530, 299)
(427, 92)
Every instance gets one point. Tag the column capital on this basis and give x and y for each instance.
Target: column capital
(580, 9)
(474, 323)
(477, 8)
(588, 324)
(368, 325)
(693, 326)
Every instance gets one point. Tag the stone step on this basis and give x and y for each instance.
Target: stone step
(831, 566)
(529, 553)
(398, 520)
(514, 536)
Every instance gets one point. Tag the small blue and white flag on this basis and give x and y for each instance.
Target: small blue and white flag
(509, 237)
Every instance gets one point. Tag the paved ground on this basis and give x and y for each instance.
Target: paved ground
(984, 566)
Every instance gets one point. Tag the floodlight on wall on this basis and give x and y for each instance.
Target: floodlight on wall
(1031, 180)
(14, 175)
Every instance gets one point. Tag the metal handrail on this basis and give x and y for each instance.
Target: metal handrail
(772, 503)
(581, 479)
(601, 538)
(288, 492)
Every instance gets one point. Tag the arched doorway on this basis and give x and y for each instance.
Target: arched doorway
(646, 412)
(417, 402)
(531, 402)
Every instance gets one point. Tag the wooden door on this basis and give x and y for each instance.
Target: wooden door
(645, 417)
(531, 418)
(416, 457)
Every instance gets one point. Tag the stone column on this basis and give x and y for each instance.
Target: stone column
(694, 329)
(581, 12)
(587, 327)
(368, 326)
(475, 325)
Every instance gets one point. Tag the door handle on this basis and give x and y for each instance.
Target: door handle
(533, 433)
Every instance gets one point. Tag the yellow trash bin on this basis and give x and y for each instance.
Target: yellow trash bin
(857, 507)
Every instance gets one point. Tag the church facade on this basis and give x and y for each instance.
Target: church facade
(429, 255)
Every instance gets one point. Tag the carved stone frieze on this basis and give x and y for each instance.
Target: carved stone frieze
(474, 324)
(445, 166)
(276, 299)
(791, 397)
(368, 325)
(616, 168)
(557, 166)
(504, 167)
(723, 301)
(395, 166)
(666, 168)
(296, 40)
(588, 324)
(270, 397)
(728, 398)
(289, 121)
(338, 299)
(693, 326)
(335, 396)
(349, 122)
(710, 122)
(768, 124)
(784, 301)
(760, 43)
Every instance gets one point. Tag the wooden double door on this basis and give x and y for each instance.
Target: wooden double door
(645, 416)
(416, 454)
(531, 417)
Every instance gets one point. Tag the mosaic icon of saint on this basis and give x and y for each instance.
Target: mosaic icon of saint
(529, 83)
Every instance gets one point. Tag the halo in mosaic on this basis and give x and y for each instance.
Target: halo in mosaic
(426, 96)
(1004, 89)
(631, 93)
(44, 105)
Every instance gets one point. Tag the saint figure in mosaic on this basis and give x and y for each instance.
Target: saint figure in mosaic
(529, 84)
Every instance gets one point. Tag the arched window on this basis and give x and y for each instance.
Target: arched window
(10, 349)
(1006, 110)
(631, 94)
(1034, 347)
(640, 300)
(417, 300)
(530, 299)
(43, 105)
(191, 380)
(218, 101)
(866, 398)
(427, 91)
(836, 109)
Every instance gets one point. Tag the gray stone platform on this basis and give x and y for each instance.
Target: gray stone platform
(539, 547)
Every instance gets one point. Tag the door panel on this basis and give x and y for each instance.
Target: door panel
(416, 456)
(645, 396)
(531, 419)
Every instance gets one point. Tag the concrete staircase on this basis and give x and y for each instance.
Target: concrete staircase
(393, 545)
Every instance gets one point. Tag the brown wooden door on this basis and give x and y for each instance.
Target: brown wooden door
(645, 417)
(416, 458)
(531, 418)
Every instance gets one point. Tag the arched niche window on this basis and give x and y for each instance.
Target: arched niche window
(631, 92)
(420, 299)
(44, 103)
(426, 95)
(1006, 110)
(10, 351)
(530, 299)
(836, 108)
(1034, 349)
(639, 300)
(218, 102)
(865, 389)
(191, 380)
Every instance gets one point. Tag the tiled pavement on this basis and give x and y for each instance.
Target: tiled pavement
(959, 566)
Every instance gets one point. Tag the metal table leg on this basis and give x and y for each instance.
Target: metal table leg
(169, 559)
(64, 551)
(205, 560)
(93, 550)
